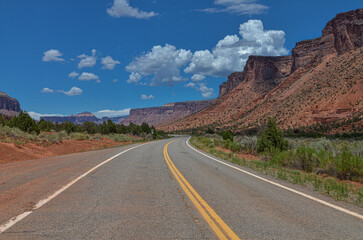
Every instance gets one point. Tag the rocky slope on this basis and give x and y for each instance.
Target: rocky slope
(8, 106)
(320, 82)
(81, 118)
(157, 115)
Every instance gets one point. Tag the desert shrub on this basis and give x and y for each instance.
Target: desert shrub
(79, 136)
(97, 136)
(247, 143)
(233, 146)
(52, 137)
(119, 137)
(272, 138)
(349, 166)
(6, 131)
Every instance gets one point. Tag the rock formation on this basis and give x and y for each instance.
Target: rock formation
(8, 106)
(320, 82)
(157, 115)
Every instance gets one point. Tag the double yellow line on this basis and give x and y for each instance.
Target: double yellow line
(219, 227)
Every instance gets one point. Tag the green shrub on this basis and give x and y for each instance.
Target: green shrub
(272, 138)
(227, 135)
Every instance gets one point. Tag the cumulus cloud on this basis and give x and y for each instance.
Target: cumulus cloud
(134, 77)
(198, 77)
(112, 113)
(53, 55)
(86, 76)
(146, 97)
(115, 80)
(231, 53)
(240, 7)
(47, 90)
(109, 63)
(202, 88)
(190, 85)
(122, 8)
(36, 116)
(73, 74)
(87, 61)
(74, 91)
(206, 91)
(162, 63)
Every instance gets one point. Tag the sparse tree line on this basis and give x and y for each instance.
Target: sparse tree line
(25, 123)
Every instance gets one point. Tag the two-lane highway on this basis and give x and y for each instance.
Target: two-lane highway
(159, 190)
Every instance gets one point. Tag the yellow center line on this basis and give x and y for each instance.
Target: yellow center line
(220, 228)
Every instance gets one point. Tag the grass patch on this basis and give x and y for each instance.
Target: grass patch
(304, 160)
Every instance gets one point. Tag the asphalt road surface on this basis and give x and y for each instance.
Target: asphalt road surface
(161, 190)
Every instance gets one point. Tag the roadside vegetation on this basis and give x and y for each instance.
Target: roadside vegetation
(331, 166)
(22, 128)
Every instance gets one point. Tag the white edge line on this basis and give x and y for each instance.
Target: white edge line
(40, 203)
(282, 186)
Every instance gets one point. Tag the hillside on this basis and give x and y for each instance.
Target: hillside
(320, 82)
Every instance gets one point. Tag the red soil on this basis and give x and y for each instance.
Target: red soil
(10, 152)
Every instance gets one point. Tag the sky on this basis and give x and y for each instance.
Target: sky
(108, 56)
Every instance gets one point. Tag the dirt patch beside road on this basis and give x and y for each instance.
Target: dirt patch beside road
(10, 152)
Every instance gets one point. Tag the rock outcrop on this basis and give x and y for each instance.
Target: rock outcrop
(313, 85)
(172, 111)
(8, 106)
(81, 118)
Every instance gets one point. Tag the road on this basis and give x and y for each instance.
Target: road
(161, 190)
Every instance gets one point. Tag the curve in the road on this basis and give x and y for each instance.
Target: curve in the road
(220, 228)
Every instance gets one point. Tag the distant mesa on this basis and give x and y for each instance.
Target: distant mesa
(168, 112)
(320, 82)
(8, 106)
(80, 118)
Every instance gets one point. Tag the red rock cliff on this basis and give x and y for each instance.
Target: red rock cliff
(8, 106)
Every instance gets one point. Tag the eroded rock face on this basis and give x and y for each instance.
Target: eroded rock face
(313, 85)
(157, 115)
(8, 106)
(266, 71)
(340, 35)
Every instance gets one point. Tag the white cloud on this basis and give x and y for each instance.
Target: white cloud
(86, 76)
(202, 88)
(36, 116)
(115, 80)
(206, 91)
(109, 63)
(231, 53)
(190, 85)
(47, 90)
(112, 113)
(87, 61)
(163, 63)
(134, 77)
(122, 8)
(198, 77)
(53, 55)
(73, 74)
(145, 97)
(240, 7)
(72, 92)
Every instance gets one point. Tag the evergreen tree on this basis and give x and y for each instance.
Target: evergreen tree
(272, 138)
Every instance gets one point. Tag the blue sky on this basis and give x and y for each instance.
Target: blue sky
(137, 53)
